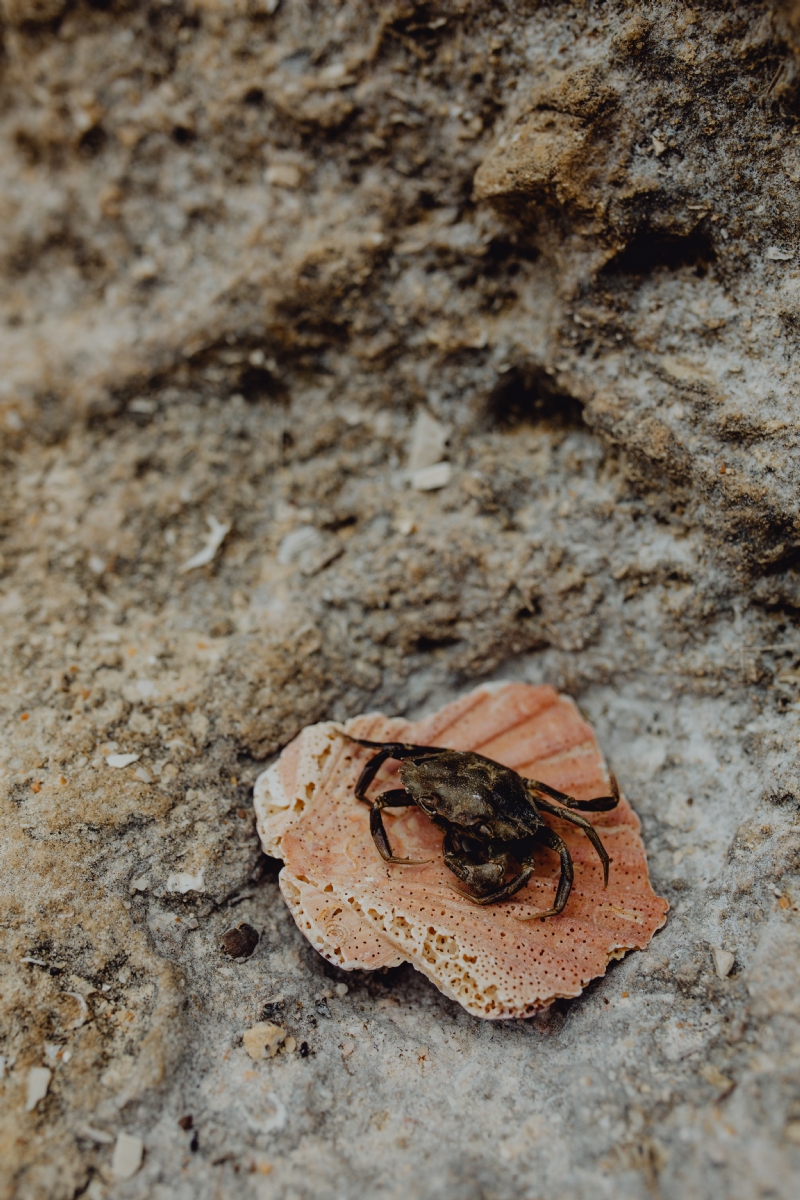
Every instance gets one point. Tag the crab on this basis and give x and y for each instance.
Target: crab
(491, 818)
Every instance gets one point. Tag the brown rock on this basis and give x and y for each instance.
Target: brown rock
(239, 942)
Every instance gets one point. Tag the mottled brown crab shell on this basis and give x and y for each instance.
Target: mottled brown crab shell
(360, 912)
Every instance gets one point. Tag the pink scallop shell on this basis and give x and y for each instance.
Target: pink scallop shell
(360, 912)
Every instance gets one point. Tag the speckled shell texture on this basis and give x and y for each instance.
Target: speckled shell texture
(360, 912)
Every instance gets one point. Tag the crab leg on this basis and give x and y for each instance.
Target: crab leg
(386, 750)
(598, 804)
(547, 837)
(583, 824)
(397, 798)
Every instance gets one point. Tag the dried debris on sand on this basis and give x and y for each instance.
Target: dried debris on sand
(361, 912)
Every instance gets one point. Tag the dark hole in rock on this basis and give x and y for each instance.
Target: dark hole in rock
(254, 96)
(425, 645)
(508, 253)
(264, 868)
(239, 942)
(779, 585)
(649, 249)
(780, 799)
(344, 522)
(527, 395)
(787, 560)
(93, 141)
(257, 382)
(183, 135)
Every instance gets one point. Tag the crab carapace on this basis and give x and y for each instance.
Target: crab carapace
(490, 815)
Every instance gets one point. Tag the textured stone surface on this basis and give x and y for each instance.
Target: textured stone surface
(242, 250)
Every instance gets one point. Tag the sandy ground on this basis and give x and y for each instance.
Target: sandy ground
(262, 266)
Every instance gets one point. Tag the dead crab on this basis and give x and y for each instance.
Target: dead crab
(491, 817)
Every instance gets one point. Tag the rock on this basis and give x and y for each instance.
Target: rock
(121, 760)
(723, 961)
(239, 942)
(428, 440)
(430, 479)
(127, 1158)
(263, 1040)
(38, 1085)
(185, 881)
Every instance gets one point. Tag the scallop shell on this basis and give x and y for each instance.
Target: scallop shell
(360, 912)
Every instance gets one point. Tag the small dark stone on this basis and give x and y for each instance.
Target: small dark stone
(186, 1122)
(304, 1051)
(239, 942)
(195, 1142)
(272, 1010)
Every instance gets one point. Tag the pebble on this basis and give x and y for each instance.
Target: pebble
(184, 881)
(778, 254)
(431, 479)
(38, 1083)
(96, 1135)
(128, 1152)
(239, 942)
(428, 440)
(121, 760)
(284, 175)
(263, 1040)
(723, 961)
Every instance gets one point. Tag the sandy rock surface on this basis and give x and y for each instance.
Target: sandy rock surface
(352, 355)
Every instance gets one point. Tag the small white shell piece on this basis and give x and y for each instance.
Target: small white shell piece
(38, 1084)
